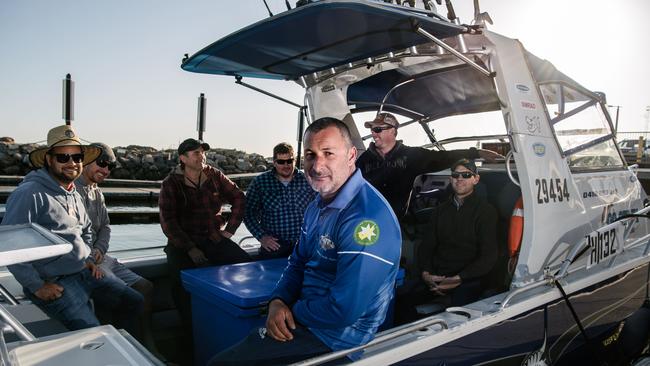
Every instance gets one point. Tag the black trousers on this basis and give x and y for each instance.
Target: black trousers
(218, 253)
(417, 292)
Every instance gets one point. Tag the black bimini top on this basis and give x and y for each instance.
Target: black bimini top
(316, 37)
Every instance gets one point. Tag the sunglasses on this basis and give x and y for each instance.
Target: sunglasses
(64, 158)
(465, 175)
(105, 164)
(284, 161)
(379, 129)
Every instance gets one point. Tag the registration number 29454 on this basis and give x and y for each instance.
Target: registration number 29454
(604, 244)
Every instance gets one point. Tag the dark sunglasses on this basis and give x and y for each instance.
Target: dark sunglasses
(105, 164)
(64, 158)
(284, 161)
(465, 175)
(379, 129)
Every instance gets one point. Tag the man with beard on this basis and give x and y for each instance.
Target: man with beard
(275, 204)
(63, 286)
(191, 201)
(338, 284)
(87, 185)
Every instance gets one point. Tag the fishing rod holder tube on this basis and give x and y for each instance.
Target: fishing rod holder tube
(451, 50)
(394, 333)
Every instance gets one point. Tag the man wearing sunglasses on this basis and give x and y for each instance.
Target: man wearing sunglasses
(275, 204)
(87, 185)
(459, 247)
(391, 167)
(63, 286)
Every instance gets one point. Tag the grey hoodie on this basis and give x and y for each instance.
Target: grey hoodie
(40, 199)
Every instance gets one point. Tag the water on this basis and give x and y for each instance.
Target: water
(135, 240)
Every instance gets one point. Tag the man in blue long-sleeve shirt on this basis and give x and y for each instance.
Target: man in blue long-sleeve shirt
(336, 290)
(276, 203)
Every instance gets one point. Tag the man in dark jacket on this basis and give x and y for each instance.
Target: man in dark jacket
(460, 247)
(391, 167)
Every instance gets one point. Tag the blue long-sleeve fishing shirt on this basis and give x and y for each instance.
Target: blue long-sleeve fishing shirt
(340, 277)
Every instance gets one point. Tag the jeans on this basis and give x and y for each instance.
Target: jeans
(74, 310)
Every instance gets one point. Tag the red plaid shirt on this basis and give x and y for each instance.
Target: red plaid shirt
(188, 214)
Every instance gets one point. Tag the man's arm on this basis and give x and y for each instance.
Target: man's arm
(435, 160)
(103, 234)
(487, 245)
(167, 202)
(253, 211)
(237, 200)
(362, 271)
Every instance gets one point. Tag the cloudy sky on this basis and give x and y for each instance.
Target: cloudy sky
(125, 59)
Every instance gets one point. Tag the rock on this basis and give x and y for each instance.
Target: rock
(148, 159)
(9, 140)
(243, 165)
(260, 168)
(12, 170)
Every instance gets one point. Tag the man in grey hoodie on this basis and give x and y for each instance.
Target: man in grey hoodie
(63, 286)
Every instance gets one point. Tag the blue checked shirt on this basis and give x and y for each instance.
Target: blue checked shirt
(275, 209)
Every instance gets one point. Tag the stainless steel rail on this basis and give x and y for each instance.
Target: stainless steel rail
(397, 332)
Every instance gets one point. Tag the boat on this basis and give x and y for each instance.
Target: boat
(577, 287)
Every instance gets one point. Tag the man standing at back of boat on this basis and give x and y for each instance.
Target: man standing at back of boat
(63, 286)
(276, 203)
(391, 167)
(340, 279)
(87, 185)
(191, 200)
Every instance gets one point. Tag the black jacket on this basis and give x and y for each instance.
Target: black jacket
(460, 240)
(394, 174)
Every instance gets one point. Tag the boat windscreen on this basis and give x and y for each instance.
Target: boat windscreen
(316, 37)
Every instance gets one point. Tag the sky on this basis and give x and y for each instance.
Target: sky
(125, 56)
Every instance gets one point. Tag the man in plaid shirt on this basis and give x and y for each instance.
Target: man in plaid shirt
(191, 198)
(276, 203)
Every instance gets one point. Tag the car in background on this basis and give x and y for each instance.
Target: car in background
(629, 149)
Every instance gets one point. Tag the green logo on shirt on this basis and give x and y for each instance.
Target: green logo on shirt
(366, 232)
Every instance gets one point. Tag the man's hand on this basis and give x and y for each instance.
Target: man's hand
(490, 156)
(449, 283)
(269, 243)
(49, 291)
(97, 255)
(279, 321)
(197, 256)
(226, 234)
(96, 272)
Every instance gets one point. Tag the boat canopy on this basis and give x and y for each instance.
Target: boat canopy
(441, 92)
(317, 37)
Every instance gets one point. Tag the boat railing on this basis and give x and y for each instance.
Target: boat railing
(392, 334)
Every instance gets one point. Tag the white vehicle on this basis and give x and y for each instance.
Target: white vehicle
(579, 290)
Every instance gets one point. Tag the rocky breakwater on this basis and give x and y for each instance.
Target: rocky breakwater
(137, 162)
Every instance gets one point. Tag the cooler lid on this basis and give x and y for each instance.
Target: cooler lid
(245, 285)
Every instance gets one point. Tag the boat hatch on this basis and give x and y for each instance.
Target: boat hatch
(316, 37)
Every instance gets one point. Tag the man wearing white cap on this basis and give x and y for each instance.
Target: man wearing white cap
(63, 286)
